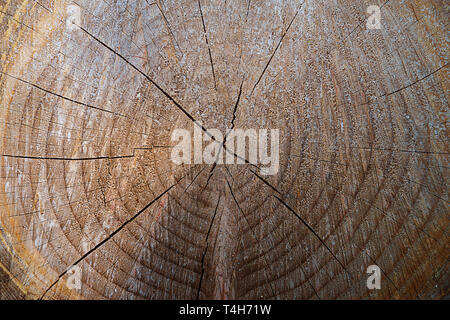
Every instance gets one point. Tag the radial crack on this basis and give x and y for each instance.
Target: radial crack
(207, 43)
(399, 150)
(254, 236)
(206, 248)
(63, 97)
(66, 159)
(312, 230)
(158, 4)
(143, 74)
(265, 181)
(276, 49)
(108, 238)
(235, 109)
(415, 82)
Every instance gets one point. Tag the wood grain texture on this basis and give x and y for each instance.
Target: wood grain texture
(87, 113)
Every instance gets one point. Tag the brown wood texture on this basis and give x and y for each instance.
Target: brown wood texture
(86, 116)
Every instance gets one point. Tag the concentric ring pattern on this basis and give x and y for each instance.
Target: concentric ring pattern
(91, 92)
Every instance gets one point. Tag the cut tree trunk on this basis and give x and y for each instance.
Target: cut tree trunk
(92, 207)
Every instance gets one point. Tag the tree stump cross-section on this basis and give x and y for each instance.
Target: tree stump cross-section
(93, 207)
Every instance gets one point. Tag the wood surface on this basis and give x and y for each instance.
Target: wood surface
(86, 117)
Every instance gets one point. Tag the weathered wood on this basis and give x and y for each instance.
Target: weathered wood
(86, 117)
